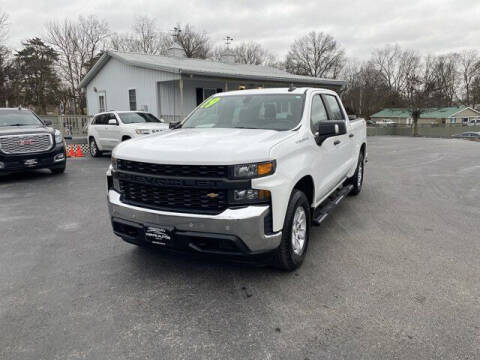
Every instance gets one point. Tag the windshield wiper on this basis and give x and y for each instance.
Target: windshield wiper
(18, 124)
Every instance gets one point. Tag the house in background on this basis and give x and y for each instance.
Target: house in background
(172, 86)
(444, 115)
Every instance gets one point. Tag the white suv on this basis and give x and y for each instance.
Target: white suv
(108, 129)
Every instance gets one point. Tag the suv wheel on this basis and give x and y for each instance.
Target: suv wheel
(296, 233)
(94, 148)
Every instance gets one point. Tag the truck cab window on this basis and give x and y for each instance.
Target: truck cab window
(318, 113)
(336, 112)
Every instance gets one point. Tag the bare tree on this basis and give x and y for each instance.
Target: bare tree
(396, 66)
(144, 39)
(77, 43)
(250, 53)
(3, 27)
(315, 54)
(446, 78)
(469, 64)
(195, 44)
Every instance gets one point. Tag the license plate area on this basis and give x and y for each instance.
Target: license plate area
(159, 235)
(30, 162)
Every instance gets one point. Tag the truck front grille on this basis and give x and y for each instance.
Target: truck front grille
(174, 199)
(22, 144)
(203, 171)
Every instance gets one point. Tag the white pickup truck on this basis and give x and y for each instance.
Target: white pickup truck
(246, 173)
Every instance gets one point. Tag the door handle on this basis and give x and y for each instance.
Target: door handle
(336, 142)
(351, 135)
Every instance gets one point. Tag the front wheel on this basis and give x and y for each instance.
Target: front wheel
(357, 179)
(296, 233)
(94, 152)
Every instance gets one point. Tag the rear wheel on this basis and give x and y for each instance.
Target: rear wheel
(94, 152)
(296, 233)
(357, 179)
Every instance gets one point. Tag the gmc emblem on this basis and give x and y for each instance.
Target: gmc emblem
(24, 142)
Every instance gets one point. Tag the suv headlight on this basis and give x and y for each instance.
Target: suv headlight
(254, 170)
(58, 137)
(251, 196)
(142, 131)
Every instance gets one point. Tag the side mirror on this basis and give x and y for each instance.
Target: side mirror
(48, 122)
(173, 125)
(112, 122)
(352, 117)
(328, 129)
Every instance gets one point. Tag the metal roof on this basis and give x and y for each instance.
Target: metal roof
(432, 113)
(207, 68)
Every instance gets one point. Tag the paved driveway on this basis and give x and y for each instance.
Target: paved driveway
(393, 273)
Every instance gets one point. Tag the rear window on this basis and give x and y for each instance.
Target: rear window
(18, 118)
(137, 117)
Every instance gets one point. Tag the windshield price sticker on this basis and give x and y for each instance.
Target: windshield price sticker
(210, 103)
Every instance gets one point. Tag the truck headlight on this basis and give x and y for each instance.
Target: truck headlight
(254, 170)
(142, 131)
(58, 137)
(114, 164)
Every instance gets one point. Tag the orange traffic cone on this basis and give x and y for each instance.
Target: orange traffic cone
(71, 152)
(79, 152)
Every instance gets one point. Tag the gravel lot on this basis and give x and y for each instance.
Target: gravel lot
(393, 273)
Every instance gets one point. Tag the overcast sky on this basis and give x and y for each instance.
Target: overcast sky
(430, 26)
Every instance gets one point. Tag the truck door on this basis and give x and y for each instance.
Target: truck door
(343, 143)
(327, 156)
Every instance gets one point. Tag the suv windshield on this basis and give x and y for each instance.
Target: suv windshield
(138, 117)
(18, 118)
(268, 111)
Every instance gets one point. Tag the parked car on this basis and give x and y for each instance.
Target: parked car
(370, 122)
(107, 129)
(385, 122)
(246, 173)
(468, 135)
(27, 142)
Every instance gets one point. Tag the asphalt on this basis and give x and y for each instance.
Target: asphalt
(392, 274)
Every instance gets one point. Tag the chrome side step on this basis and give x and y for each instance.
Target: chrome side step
(322, 211)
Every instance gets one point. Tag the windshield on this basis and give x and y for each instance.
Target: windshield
(268, 111)
(138, 117)
(18, 118)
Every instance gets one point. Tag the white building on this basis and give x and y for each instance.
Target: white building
(172, 86)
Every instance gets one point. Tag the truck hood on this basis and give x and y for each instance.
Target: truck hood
(202, 146)
(20, 130)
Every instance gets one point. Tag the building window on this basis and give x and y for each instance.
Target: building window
(202, 94)
(453, 120)
(101, 103)
(132, 99)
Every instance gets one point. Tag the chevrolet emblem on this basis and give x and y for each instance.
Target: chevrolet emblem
(212, 195)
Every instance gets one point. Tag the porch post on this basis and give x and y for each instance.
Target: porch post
(181, 95)
(226, 85)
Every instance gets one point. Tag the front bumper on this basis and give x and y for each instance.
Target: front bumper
(34, 160)
(234, 231)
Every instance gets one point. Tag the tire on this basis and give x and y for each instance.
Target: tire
(58, 171)
(92, 145)
(291, 253)
(125, 138)
(357, 179)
